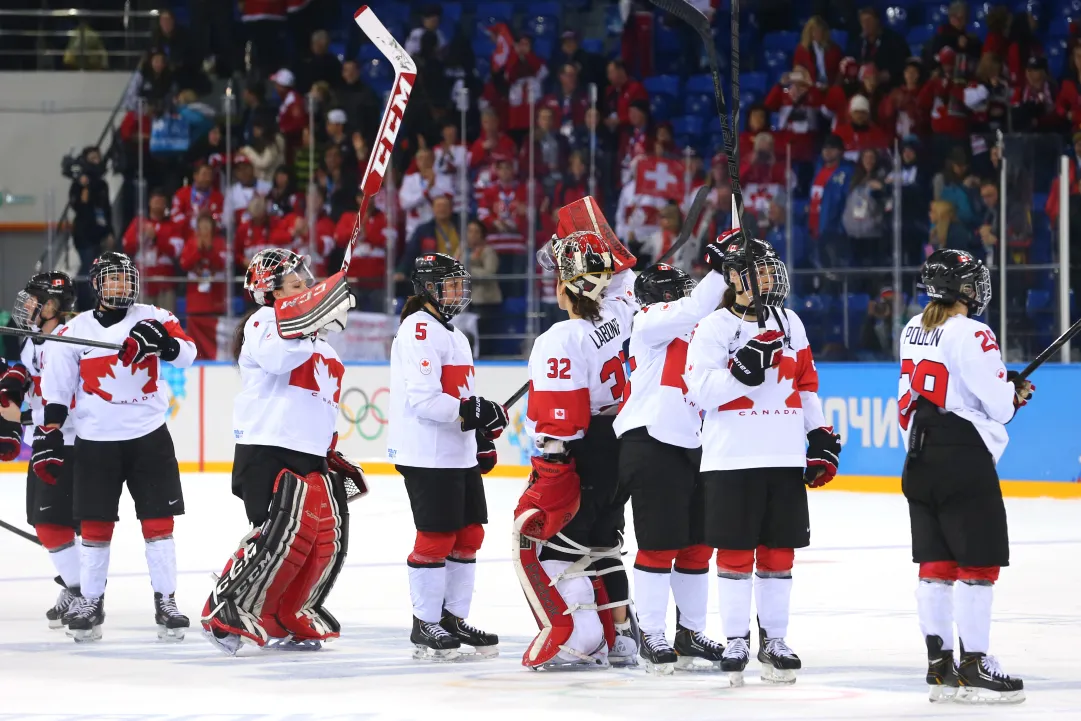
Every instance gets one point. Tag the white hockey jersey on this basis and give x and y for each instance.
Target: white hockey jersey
(431, 372)
(576, 367)
(291, 389)
(958, 367)
(655, 395)
(31, 357)
(761, 427)
(112, 403)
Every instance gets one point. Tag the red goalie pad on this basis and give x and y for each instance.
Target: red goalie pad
(324, 305)
(549, 608)
(585, 214)
(550, 500)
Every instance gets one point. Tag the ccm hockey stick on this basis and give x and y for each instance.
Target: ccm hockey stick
(1050, 351)
(694, 214)
(405, 77)
(698, 22)
(32, 335)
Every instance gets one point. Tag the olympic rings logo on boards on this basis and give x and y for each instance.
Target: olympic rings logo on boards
(363, 413)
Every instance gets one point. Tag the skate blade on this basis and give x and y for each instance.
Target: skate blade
(83, 636)
(735, 679)
(436, 655)
(982, 696)
(941, 694)
(571, 666)
(659, 669)
(697, 664)
(479, 653)
(171, 635)
(57, 624)
(781, 676)
(623, 661)
(292, 644)
(229, 645)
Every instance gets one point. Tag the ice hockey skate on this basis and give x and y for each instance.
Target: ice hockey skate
(734, 659)
(779, 662)
(624, 652)
(88, 614)
(660, 659)
(941, 672)
(60, 612)
(485, 645)
(696, 650)
(981, 680)
(172, 624)
(432, 642)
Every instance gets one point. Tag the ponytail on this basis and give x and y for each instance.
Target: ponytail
(583, 307)
(238, 333)
(412, 304)
(729, 298)
(935, 314)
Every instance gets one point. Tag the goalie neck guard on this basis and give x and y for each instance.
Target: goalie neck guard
(771, 271)
(39, 290)
(269, 270)
(954, 275)
(662, 283)
(583, 261)
(444, 282)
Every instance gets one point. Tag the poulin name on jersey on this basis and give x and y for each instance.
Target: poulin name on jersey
(918, 336)
(609, 330)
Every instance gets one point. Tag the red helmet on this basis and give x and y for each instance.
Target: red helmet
(267, 272)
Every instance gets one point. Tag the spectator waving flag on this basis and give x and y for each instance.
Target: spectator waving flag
(503, 55)
(659, 178)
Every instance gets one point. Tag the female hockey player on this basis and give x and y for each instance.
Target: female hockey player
(763, 426)
(286, 470)
(43, 306)
(120, 437)
(954, 398)
(659, 459)
(441, 439)
(570, 517)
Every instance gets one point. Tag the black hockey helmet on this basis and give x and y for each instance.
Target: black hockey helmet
(662, 283)
(949, 276)
(115, 280)
(772, 274)
(39, 290)
(443, 281)
(268, 270)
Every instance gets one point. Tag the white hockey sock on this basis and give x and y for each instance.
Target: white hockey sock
(734, 600)
(691, 591)
(771, 596)
(461, 577)
(94, 569)
(588, 634)
(934, 604)
(161, 561)
(973, 612)
(66, 563)
(651, 599)
(426, 588)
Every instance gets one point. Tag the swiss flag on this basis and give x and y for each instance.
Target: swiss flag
(659, 178)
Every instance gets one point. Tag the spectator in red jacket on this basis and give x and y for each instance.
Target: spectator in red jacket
(763, 176)
(1052, 207)
(835, 99)
(292, 115)
(1068, 101)
(900, 112)
(1034, 100)
(998, 30)
(816, 52)
(943, 99)
(859, 133)
(757, 122)
(988, 96)
(569, 102)
(292, 231)
(796, 102)
(368, 267)
(503, 208)
(203, 259)
(491, 141)
(253, 232)
(524, 76)
(872, 89)
(197, 198)
(622, 91)
(156, 248)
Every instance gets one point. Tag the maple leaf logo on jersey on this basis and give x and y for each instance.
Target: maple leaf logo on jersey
(104, 377)
(322, 376)
(457, 381)
(425, 366)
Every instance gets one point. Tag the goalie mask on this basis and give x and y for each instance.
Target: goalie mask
(772, 275)
(582, 260)
(950, 276)
(443, 281)
(115, 280)
(269, 271)
(662, 283)
(30, 303)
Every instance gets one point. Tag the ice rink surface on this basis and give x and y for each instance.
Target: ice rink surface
(853, 624)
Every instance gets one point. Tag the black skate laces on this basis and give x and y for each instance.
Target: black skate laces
(705, 641)
(777, 647)
(737, 648)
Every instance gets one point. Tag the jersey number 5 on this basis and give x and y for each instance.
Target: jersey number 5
(927, 378)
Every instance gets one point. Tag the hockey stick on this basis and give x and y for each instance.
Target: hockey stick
(19, 532)
(694, 214)
(60, 338)
(405, 76)
(1050, 351)
(698, 22)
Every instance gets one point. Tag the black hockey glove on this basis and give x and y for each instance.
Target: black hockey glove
(488, 416)
(823, 455)
(11, 439)
(714, 258)
(13, 385)
(1022, 390)
(761, 352)
(486, 454)
(48, 454)
(147, 338)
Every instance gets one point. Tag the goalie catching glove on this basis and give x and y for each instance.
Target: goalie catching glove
(823, 455)
(323, 307)
(750, 362)
(351, 475)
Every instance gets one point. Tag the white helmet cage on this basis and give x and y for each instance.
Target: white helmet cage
(583, 261)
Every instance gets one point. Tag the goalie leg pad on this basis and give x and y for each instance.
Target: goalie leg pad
(221, 618)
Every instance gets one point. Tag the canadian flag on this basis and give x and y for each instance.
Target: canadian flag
(504, 46)
(559, 414)
(659, 178)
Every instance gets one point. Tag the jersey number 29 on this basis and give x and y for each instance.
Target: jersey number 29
(927, 378)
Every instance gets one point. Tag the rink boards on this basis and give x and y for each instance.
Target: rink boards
(859, 399)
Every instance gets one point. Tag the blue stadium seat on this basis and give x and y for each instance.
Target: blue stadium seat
(542, 46)
(593, 45)
(368, 51)
(660, 107)
(1037, 302)
(697, 104)
(490, 13)
(1059, 28)
(800, 209)
(551, 9)
(483, 64)
(747, 98)
(1056, 55)
(483, 46)
(541, 26)
(1068, 9)
(376, 69)
(896, 18)
(936, 14)
(840, 38)
(920, 35)
(613, 21)
(780, 40)
(754, 82)
(181, 306)
(239, 305)
(337, 49)
(666, 40)
(1027, 6)
(663, 84)
(700, 84)
(689, 126)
